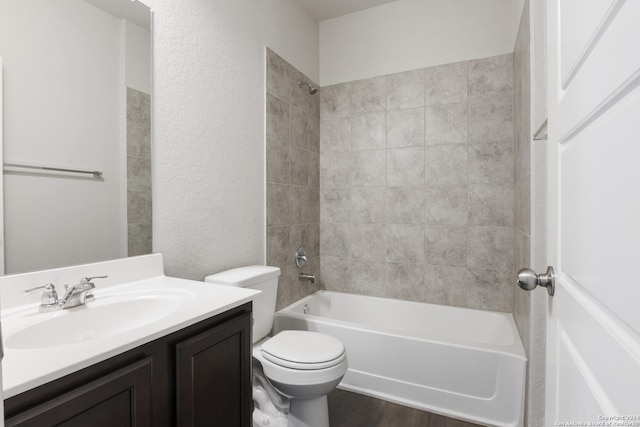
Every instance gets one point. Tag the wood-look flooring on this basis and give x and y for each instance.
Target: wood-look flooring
(348, 409)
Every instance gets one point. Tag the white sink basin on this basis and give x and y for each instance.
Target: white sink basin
(110, 314)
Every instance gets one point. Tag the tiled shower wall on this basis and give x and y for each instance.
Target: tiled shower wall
(139, 239)
(530, 308)
(522, 134)
(292, 164)
(417, 185)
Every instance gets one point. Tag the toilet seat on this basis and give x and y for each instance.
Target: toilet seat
(311, 368)
(303, 350)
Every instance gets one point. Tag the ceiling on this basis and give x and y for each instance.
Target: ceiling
(133, 11)
(327, 9)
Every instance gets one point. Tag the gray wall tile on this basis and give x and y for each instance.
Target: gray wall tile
(140, 239)
(278, 250)
(416, 194)
(314, 170)
(405, 90)
(293, 175)
(369, 168)
(491, 79)
(369, 95)
(139, 220)
(368, 131)
(139, 206)
(445, 284)
(446, 205)
(522, 148)
(138, 173)
(335, 239)
(404, 281)
(367, 243)
(277, 205)
(138, 123)
(522, 251)
(307, 235)
(280, 76)
(490, 204)
(446, 124)
(298, 128)
(404, 243)
(445, 245)
(491, 248)
(299, 166)
(490, 122)
(299, 200)
(491, 162)
(334, 205)
(404, 205)
(277, 163)
(446, 165)
(335, 101)
(277, 119)
(335, 136)
(336, 170)
(490, 290)
(368, 278)
(367, 205)
(446, 84)
(337, 273)
(405, 128)
(523, 204)
(405, 167)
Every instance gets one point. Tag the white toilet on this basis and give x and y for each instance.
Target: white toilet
(302, 365)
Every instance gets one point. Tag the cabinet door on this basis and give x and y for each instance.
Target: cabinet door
(121, 398)
(213, 376)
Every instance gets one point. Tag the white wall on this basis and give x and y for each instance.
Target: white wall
(137, 57)
(61, 108)
(209, 125)
(410, 34)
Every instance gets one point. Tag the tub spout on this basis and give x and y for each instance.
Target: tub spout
(303, 277)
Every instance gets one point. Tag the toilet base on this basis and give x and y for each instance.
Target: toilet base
(309, 412)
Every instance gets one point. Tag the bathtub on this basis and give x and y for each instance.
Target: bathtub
(458, 362)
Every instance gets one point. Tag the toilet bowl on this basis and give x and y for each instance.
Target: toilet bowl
(303, 366)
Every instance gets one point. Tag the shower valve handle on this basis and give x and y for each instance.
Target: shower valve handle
(301, 257)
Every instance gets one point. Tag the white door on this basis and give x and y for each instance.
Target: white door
(1, 241)
(593, 335)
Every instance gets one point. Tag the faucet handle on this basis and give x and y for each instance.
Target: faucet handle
(300, 257)
(47, 287)
(86, 280)
(49, 294)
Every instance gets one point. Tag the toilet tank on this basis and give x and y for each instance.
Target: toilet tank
(262, 278)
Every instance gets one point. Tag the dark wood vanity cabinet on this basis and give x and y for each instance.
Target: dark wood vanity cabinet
(198, 376)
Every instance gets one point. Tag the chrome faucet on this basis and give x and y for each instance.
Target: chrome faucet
(74, 296)
(307, 277)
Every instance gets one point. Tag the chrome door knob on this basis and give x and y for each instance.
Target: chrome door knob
(528, 280)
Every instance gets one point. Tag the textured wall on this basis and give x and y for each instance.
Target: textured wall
(409, 34)
(416, 185)
(208, 126)
(293, 167)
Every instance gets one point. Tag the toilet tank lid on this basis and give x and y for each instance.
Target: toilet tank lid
(244, 276)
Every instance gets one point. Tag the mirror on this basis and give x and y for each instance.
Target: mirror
(76, 95)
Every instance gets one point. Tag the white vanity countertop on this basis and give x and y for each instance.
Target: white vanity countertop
(27, 364)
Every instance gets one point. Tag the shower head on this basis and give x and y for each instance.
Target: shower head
(312, 89)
